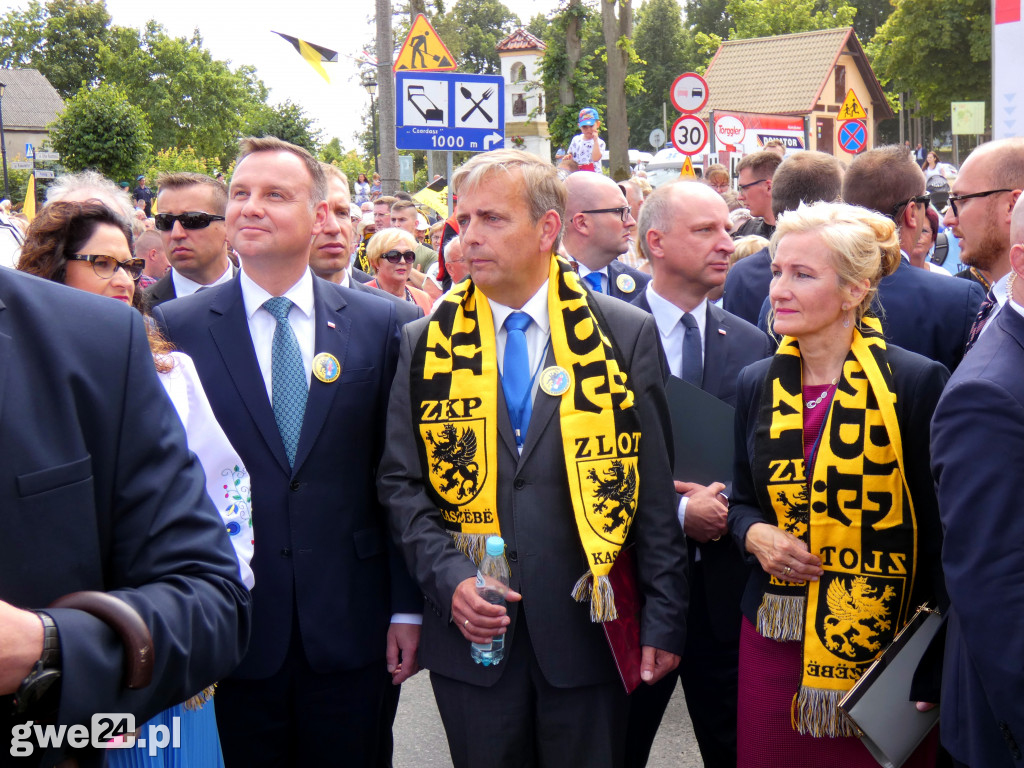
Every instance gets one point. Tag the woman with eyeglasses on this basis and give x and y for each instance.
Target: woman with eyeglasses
(391, 253)
(88, 246)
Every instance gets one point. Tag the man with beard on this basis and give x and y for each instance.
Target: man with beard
(980, 208)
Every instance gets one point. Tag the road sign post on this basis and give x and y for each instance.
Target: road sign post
(689, 92)
(853, 136)
(450, 111)
(689, 134)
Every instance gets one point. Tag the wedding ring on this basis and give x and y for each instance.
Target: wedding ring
(466, 625)
(787, 570)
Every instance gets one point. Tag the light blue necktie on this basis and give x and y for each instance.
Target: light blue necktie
(515, 376)
(594, 281)
(289, 387)
(693, 362)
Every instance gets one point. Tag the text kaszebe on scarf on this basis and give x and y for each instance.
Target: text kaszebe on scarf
(454, 388)
(856, 514)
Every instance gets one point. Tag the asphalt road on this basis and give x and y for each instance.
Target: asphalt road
(420, 740)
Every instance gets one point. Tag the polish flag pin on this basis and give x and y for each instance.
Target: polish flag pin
(330, 324)
(722, 331)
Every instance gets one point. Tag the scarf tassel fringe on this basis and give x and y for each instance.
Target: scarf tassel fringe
(816, 712)
(600, 594)
(781, 617)
(472, 545)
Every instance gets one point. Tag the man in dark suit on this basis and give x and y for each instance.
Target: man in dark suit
(920, 311)
(755, 189)
(101, 493)
(298, 373)
(684, 230)
(984, 193)
(803, 177)
(977, 446)
(196, 247)
(556, 697)
(330, 253)
(598, 229)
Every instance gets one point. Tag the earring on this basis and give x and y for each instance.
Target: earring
(846, 316)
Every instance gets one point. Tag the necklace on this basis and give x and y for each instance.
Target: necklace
(823, 395)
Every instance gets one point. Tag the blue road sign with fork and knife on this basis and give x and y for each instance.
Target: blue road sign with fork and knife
(451, 111)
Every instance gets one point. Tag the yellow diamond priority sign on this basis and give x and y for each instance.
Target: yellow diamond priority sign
(423, 50)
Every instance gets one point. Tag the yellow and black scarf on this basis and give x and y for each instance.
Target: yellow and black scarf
(454, 397)
(362, 260)
(856, 514)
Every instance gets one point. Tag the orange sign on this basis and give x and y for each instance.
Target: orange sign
(423, 50)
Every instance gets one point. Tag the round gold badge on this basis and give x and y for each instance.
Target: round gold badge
(626, 283)
(554, 380)
(326, 368)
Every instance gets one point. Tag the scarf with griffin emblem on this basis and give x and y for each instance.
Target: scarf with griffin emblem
(454, 389)
(856, 514)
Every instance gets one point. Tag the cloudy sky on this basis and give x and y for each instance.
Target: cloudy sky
(241, 34)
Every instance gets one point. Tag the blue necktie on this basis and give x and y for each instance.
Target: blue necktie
(515, 376)
(594, 281)
(693, 357)
(288, 377)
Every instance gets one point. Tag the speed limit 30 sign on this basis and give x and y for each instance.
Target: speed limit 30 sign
(689, 135)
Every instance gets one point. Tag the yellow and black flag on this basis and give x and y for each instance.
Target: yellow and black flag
(314, 54)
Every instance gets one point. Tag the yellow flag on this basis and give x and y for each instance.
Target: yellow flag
(29, 207)
(438, 201)
(312, 53)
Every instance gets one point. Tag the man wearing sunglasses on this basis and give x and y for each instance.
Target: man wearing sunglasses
(921, 311)
(980, 208)
(599, 227)
(191, 221)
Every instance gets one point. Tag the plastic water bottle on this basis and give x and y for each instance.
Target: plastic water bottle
(493, 568)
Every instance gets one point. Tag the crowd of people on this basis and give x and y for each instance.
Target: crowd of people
(289, 436)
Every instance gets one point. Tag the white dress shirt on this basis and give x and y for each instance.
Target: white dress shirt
(999, 292)
(185, 287)
(669, 319)
(537, 335)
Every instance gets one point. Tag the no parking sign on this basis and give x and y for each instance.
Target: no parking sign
(853, 136)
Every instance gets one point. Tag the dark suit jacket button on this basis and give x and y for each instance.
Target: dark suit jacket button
(294, 485)
(286, 552)
(519, 484)
(513, 556)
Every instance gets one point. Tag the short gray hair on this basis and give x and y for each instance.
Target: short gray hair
(89, 185)
(544, 190)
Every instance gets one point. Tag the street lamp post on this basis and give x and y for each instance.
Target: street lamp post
(371, 88)
(3, 144)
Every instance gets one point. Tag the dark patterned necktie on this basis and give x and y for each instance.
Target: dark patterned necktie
(288, 384)
(979, 322)
(693, 354)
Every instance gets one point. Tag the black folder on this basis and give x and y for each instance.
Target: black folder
(703, 434)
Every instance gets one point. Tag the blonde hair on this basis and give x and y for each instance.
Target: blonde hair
(747, 246)
(861, 244)
(386, 240)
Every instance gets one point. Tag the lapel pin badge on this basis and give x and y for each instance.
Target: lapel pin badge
(326, 368)
(626, 283)
(554, 380)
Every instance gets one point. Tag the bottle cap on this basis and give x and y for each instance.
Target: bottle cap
(495, 546)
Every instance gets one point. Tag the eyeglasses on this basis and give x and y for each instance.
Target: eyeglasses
(751, 184)
(396, 256)
(106, 266)
(954, 199)
(622, 211)
(189, 220)
(919, 200)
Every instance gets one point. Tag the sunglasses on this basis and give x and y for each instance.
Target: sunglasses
(954, 199)
(919, 200)
(189, 220)
(396, 256)
(106, 266)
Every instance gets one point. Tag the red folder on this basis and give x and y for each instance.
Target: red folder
(624, 632)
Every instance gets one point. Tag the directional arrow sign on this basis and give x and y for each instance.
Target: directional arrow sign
(450, 111)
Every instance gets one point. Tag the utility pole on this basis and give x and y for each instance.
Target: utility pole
(386, 99)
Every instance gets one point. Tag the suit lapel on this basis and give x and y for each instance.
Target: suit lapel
(329, 306)
(544, 407)
(228, 327)
(714, 352)
(6, 345)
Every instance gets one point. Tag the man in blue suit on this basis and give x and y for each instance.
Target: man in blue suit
(298, 372)
(598, 227)
(684, 231)
(99, 492)
(982, 409)
(920, 311)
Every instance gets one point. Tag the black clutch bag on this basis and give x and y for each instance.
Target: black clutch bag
(879, 707)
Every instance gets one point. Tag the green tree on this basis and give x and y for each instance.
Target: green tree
(871, 14)
(617, 26)
(191, 98)
(709, 17)
(60, 38)
(472, 30)
(100, 128)
(667, 47)
(767, 18)
(911, 52)
(174, 160)
(286, 121)
(572, 69)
